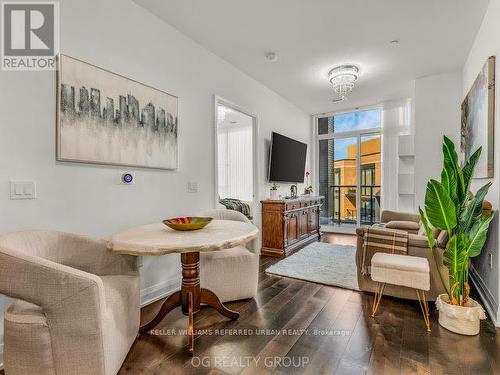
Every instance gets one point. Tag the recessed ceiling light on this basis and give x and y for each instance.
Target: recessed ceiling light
(394, 41)
(271, 56)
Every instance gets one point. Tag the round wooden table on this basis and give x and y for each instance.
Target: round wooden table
(158, 239)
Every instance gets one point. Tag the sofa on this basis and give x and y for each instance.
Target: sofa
(417, 246)
(76, 308)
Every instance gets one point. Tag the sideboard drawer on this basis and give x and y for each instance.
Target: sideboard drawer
(292, 206)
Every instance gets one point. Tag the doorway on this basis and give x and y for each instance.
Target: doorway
(349, 165)
(235, 157)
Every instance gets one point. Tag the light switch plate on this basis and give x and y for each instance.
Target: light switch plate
(192, 187)
(22, 190)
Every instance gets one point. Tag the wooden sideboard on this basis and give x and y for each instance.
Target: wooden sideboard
(289, 224)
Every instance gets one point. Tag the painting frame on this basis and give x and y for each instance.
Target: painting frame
(477, 126)
(59, 117)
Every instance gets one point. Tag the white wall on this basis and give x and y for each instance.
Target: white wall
(487, 43)
(395, 121)
(431, 112)
(437, 113)
(121, 36)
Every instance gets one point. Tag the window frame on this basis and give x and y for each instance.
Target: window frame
(349, 134)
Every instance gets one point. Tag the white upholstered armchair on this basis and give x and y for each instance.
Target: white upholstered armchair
(77, 305)
(232, 274)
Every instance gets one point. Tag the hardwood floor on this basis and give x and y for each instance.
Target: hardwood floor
(328, 331)
(322, 330)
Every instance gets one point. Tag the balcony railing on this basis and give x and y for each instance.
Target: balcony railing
(344, 208)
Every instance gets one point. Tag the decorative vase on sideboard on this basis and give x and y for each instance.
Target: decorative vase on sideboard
(273, 195)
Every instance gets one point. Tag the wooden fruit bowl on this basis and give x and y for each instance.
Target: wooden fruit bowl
(187, 223)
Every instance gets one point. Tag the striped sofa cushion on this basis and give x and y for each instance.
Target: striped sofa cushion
(378, 240)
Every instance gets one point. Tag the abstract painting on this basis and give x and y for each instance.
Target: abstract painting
(105, 118)
(478, 119)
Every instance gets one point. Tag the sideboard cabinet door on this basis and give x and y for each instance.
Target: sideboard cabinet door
(292, 234)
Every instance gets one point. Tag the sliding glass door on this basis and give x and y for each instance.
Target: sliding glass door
(349, 169)
(370, 178)
(345, 176)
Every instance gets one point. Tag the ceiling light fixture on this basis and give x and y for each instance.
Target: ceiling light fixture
(342, 79)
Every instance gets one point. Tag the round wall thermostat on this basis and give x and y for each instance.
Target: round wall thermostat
(127, 178)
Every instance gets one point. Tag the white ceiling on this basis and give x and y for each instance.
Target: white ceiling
(312, 36)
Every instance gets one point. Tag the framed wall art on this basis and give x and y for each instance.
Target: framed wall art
(105, 118)
(478, 120)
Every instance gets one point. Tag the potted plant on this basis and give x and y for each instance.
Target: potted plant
(450, 207)
(274, 191)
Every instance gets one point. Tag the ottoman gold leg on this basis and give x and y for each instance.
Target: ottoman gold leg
(378, 296)
(425, 308)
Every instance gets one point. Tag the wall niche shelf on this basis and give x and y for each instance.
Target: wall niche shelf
(406, 184)
(406, 146)
(406, 167)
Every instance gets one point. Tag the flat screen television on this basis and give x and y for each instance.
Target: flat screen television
(287, 161)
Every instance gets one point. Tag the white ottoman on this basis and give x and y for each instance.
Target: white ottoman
(403, 270)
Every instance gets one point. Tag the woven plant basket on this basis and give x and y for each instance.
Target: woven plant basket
(460, 319)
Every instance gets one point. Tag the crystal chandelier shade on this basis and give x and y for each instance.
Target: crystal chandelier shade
(343, 78)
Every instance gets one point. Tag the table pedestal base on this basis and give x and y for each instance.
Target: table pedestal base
(190, 297)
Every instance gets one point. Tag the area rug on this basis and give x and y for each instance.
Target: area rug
(321, 263)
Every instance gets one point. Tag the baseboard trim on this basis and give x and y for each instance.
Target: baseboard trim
(161, 290)
(486, 297)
